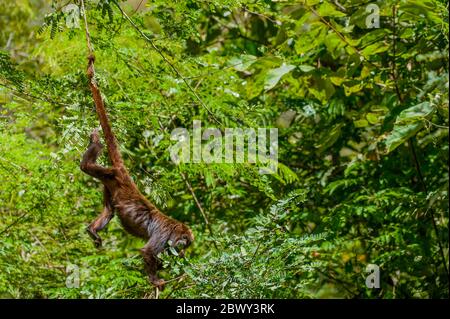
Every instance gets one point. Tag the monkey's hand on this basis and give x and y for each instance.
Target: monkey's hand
(95, 136)
(158, 283)
(98, 243)
(95, 237)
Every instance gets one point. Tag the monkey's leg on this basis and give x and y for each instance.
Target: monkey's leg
(152, 264)
(88, 163)
(102, 220)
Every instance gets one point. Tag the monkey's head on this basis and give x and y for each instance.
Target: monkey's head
(181, 238)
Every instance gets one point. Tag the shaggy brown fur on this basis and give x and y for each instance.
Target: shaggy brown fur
(137, 215)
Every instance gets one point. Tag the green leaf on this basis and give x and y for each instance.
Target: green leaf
(326, 9)
(353, 89)
(415, 113)
(365, 72)
(173, 250)
(373, 118)
(416, 8)
(287, 174)
(311, 38)
(401, 134)
(321, 88)
(243, 62)
(329, 138)
(407, 124)
(306, 68)
(273, 76)
(337, 80)
(361, 123)
(375, 48)
(334, 44)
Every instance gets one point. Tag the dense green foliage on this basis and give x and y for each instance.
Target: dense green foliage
(362, 115)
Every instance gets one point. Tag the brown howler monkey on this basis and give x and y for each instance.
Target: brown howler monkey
(137, 215)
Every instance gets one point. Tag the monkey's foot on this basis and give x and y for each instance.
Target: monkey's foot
(96, 238)
(158, 283)
(98, 243)
(95, 136)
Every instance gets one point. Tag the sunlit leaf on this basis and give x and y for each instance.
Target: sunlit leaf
(273, 76)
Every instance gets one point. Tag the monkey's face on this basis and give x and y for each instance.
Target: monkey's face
(182, 237)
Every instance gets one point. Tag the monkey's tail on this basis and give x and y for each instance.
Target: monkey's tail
(110, 139)
(111, 142)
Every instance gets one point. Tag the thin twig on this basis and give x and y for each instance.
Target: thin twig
(437, 125)
(340, 35)
(340, 6)
(339, 281)
(137, 8)
(394, 53)
(44, 99)
(197, 202)
(88, 36)
(7, 228)
(15, 165)
(261, 15)
(176, 286)
(176, 278)
(424, 187)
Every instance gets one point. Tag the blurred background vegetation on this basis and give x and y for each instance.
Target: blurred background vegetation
(362, 115)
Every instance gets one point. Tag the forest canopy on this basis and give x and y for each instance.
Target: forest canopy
(357, 91)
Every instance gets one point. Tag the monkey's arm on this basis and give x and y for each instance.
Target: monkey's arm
(88, 163)
(152, 263)
(102, 220)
